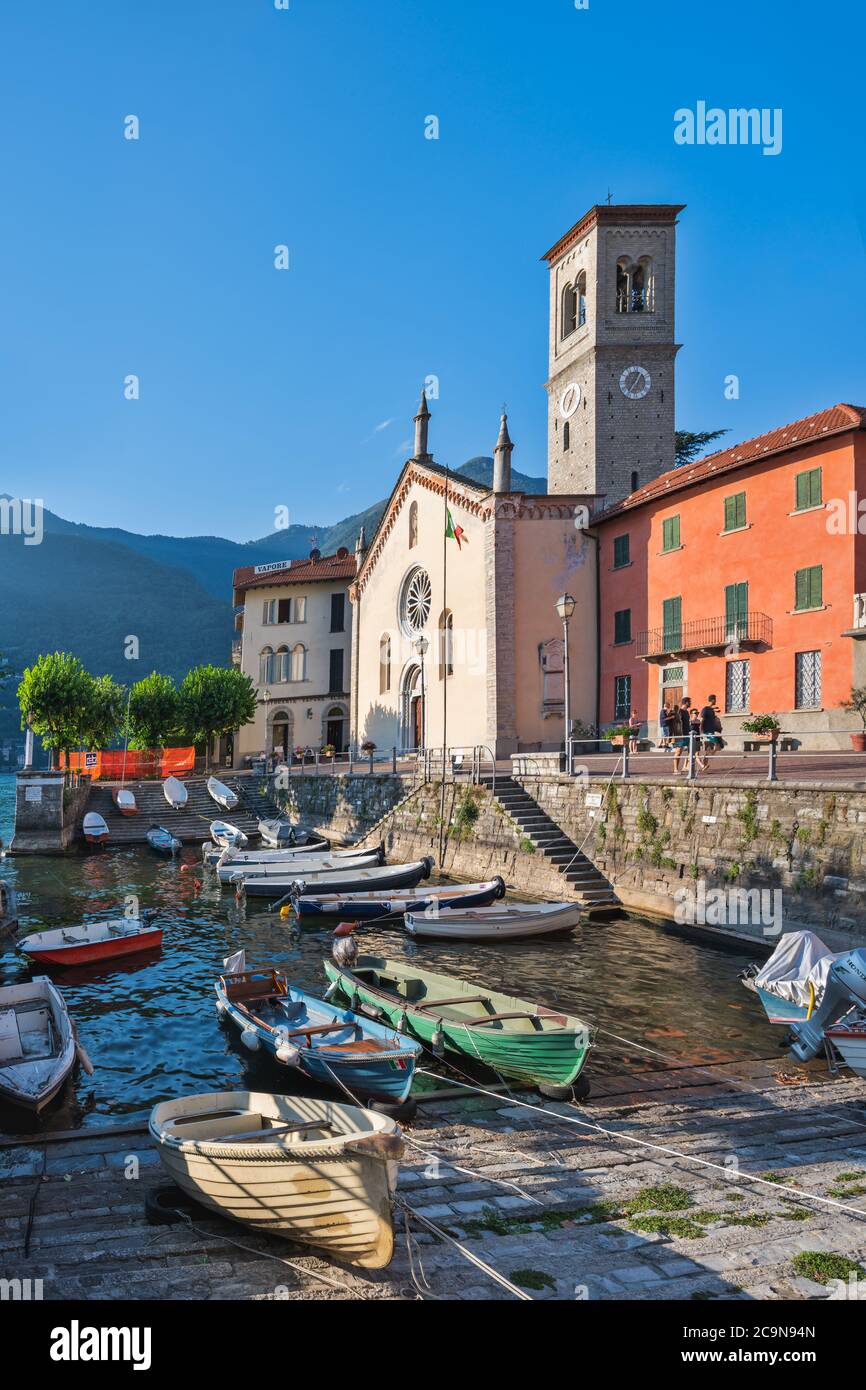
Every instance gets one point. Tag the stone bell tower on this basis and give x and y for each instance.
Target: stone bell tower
(611, 359)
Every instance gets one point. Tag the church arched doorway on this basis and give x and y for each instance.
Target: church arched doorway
(281, 734)
(412, 710)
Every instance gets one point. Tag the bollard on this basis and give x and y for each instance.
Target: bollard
(394, 760)
(370, 768)
(692, 773)
(771, 770)
(624, 759)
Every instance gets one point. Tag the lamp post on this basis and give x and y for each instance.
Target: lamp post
(565, 607)
(422, 646)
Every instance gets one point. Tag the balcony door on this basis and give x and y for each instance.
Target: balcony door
(736, 611)
(672, 623)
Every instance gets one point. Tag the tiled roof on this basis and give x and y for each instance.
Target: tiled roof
(617, 214)
(308, 571)
(838, 419)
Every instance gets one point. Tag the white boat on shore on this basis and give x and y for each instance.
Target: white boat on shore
(124, 800)
(849, 1039)
(503, 922)
(225, 836)
(94, 828)
(309, 1170)
(175, 792)
(221, 794)
(281, 834)
(37, 1043)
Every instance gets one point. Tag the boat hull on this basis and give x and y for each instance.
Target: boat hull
(32, 1080)
(98, 951)
(317, 1193)
(543, 1058)
(377, 905)
(778, 1010)
(399, 876)
(851, 1043)
(452, 924)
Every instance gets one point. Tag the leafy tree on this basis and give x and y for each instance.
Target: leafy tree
(101, 714)
(215, 700)
(154, 711)
(52, 694)
(687, 444)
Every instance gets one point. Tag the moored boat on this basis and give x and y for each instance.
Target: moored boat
(221, 794)
(504, 922)
(346, 879)
(229, 869)
(376, 904)
(849, 1038)
(304, 1169)
(512, 1036)
(175, 793)
(327, 1043)
(281, 834)
(250, 857)
(225, 836)
(791, 982)
(162, 840)
(124, 800)
(94, 828)
(37, 1043)
(91, 941)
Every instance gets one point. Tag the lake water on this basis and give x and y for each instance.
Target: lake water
(152, 1032)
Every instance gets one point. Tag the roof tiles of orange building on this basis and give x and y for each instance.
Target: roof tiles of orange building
(306, 571)
(838, 419)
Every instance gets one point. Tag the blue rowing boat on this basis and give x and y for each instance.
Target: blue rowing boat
(329, 1044)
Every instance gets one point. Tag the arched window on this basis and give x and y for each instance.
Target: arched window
(384, 663)
(446, 644)
(569, 310)
(580, 291)
(299, 662)
(265, 666)
(634, 285)
(566, 435)
(281, 664)
(413, 525)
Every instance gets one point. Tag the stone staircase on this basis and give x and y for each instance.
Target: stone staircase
(586, 882)
(190, 825)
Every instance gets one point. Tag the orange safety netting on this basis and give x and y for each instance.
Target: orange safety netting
(140, 762)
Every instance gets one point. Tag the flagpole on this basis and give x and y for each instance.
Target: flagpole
(443, 664)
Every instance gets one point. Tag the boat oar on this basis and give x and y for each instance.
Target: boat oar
(263, 1134)
(83, 1055)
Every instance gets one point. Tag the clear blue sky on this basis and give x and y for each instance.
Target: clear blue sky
(408, 256)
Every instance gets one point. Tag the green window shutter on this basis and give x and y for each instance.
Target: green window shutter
(620, 551)
(671, 533)
(730, 606)
(809, 489)
(809, 587)
(622, 625)
(815, 488)
(802, 491)
(735, 511)
(801, 589)
(672, 622)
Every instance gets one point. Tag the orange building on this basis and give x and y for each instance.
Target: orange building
(743, 575)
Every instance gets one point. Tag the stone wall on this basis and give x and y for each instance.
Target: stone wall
(343, 807)
(803, 847)
(47, 813)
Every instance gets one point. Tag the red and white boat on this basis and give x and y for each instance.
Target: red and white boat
(124, 800)
(95, 829)
(91, 941)
(850, 1040)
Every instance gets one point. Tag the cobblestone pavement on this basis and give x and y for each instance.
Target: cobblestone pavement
(559, 1209)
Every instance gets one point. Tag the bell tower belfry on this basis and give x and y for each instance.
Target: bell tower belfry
(610, 381)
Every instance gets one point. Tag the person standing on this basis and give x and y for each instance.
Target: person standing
(634, 731)
(711, 727)
(681, 739)
(663, 726)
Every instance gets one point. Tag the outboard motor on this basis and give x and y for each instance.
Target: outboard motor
(845, 990)
(344, 948)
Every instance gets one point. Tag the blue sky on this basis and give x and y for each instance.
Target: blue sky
(409, 257)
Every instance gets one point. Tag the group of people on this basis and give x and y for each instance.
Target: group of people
(677, 723)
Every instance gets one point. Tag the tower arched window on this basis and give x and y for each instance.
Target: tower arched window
(634, 285)
(281, 664)
(266, 659)
(413, 525)
(446, 643)
(580, 292)
(384, 663)
(566, 435)
(569, 310)
(299, 662)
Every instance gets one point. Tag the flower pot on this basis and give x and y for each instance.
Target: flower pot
(858, 742)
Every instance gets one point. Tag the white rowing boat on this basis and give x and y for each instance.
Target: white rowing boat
(124, 800)
(176, 793)
(229, 869)
(308, 1170)
(221, 794)
(225, 836)
(37, 1043)
(504, 922)
(94, 828)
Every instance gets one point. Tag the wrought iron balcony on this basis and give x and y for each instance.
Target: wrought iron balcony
(704, 636)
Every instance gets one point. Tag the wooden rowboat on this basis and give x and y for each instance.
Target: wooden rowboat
(162, 840)
(94, 828)
(124, 800)
(512, 1036)
(91, 941)
(37, 1043)
(308, 1170)
(229, 869)
(376, 904)
(504, 922)
(175, 793)
(221, 794)
(346, 879)
(225, 836)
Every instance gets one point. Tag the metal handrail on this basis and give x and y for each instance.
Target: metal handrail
(705, 633)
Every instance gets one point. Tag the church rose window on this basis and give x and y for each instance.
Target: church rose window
(415, 600)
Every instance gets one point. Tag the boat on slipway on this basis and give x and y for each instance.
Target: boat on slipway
(223, 836)
(124, 800)
(162, 840)
(175, 793)
(305, 1169)
(221, 794)
(37, 1043)
(95, 828)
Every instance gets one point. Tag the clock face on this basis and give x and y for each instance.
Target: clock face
(635, 382)
(569, 400)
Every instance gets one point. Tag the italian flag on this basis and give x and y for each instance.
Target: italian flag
(455, 533)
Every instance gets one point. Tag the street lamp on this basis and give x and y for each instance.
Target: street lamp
(422, 646)
(565, 607)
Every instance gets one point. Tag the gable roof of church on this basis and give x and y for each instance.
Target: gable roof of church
(838, 419)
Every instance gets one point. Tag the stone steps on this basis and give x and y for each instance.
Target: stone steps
(191, 825)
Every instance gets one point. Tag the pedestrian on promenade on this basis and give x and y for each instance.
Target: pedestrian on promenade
(711, 727)
(681, 734)
(634, 731)
(663, 726)
(695, 731)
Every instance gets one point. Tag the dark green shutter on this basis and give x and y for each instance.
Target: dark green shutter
(620, 551)
(735, 511)
(622, 625)
(809, 587)
(737, 609)
(809, 489)
(671, 533)
(672, 623)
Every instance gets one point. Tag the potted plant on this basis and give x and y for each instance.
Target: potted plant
(368, 747)
(326, 751)
(764, 726)
(857, 705)
(618, 735)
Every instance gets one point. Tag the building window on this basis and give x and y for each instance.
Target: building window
(299, 610)
(672, 623)
(737, 686)
(281, 664)
(269, 612)
(735, 512)
(807, 490)
(413, 525)
(808, 588)
(621, 551)
(621, 697)
(634, 480)
(335, 672)
(736, 610)
(446, 644)
(634, 285)
(622, 626)
(581, 299)
(265, 666)
(566, 436)
(671, 533)
(299, 662)
(807, 680)
(414, 605)
(338, 612)
(384, 663)
(569, 310)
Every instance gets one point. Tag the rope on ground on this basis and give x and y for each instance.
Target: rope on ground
(267, 1255)
(674, 1153)
(469, 1172)
(466, 1253)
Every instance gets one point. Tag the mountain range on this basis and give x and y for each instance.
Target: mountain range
(86, 589)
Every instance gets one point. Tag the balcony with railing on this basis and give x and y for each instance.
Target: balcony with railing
(705, 637)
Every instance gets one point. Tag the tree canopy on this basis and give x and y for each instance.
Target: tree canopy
(154, 711)
(689, 443)
(215, 700)
(52, 695)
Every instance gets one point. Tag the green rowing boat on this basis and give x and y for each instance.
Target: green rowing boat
(512, 1036)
